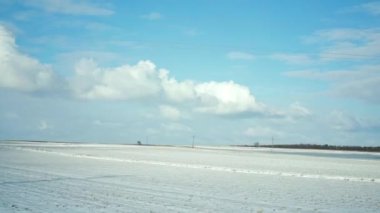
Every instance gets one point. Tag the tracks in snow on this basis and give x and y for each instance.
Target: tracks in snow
(212, 168)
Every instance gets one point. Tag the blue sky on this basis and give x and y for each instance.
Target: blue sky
(228, 72)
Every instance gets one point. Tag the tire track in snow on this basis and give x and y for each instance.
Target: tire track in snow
(57, 193)
(60, 191)
(213, 168)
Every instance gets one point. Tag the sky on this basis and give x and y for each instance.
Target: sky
(160, 72)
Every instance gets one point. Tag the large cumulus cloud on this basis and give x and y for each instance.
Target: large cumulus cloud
(19, 71)
(142, 81)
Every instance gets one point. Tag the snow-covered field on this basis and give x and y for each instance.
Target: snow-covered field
(63, 177)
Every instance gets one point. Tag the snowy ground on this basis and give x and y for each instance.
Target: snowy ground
(58, 177)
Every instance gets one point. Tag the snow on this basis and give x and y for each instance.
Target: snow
(69, 177)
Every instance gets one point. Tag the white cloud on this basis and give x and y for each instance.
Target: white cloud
(119, 83)
(177, 91)
(170, 112)
(292, 58)
(152, 16)
(220, 98)
(225, 98)
(127, 82)
(72, 7)
(145, 80)
(19, 71)
(237, 55)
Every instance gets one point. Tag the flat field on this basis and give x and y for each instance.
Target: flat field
(69, 177)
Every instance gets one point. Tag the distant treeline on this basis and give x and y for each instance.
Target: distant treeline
(316, 146)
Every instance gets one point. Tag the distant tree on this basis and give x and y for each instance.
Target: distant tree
(256, 144)
(138, 142)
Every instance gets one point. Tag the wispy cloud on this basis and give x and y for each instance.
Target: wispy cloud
(372, 8)
(343, 121)
(238, 55)
(100, 26)
(367, 89)
(153, 16)
(297, 110)
(292, 58)
(67, 59)
(24, 15)
(71, 7)
(347, 43)
(361, 83)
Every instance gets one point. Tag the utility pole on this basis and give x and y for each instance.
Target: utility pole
(193, 141)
